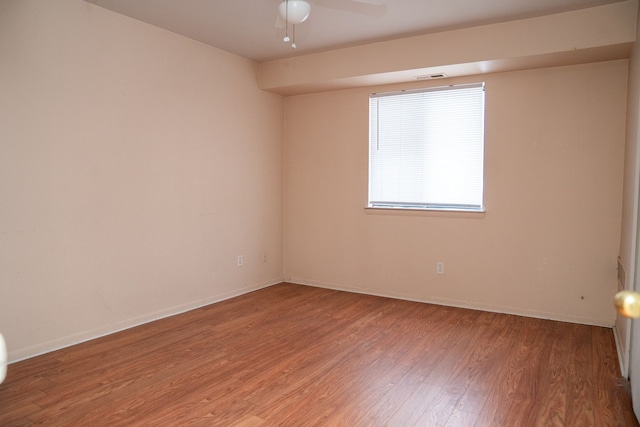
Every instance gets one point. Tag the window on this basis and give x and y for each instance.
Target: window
(426, 148)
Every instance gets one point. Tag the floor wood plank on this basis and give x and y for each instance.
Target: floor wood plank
(293, 355)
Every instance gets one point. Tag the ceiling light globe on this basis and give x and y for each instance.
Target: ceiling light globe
(298, 11)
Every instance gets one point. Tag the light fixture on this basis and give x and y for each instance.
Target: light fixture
(293, 12)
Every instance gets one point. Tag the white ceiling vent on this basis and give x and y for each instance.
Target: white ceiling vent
(431, 76)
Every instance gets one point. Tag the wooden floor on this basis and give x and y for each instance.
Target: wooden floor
(292, 355)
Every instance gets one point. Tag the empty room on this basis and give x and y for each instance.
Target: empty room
(321, 212)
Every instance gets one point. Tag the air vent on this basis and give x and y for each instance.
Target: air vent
(431, 76)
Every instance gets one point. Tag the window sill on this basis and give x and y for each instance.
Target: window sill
(437, 213)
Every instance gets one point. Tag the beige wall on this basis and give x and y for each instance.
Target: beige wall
(135, 166)
(628, 241)
(548, 243)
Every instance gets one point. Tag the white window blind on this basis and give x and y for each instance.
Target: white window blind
(426, 148)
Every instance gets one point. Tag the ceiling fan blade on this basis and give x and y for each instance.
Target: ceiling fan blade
(361, 7)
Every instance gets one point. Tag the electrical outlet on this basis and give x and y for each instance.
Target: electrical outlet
(264, 258)
(240, 260)
(440, 267)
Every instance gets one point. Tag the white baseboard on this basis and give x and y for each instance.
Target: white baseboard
(561, 317)
(57, 344)
(28, 352)
(624, 370)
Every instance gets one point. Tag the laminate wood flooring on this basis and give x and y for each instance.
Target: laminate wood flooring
(292, 355)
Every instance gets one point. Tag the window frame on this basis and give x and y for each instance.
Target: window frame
(426, 206)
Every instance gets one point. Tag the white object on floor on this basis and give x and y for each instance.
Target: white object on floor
(3, 359)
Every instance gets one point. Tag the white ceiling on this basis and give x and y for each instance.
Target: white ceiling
(248, 27)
